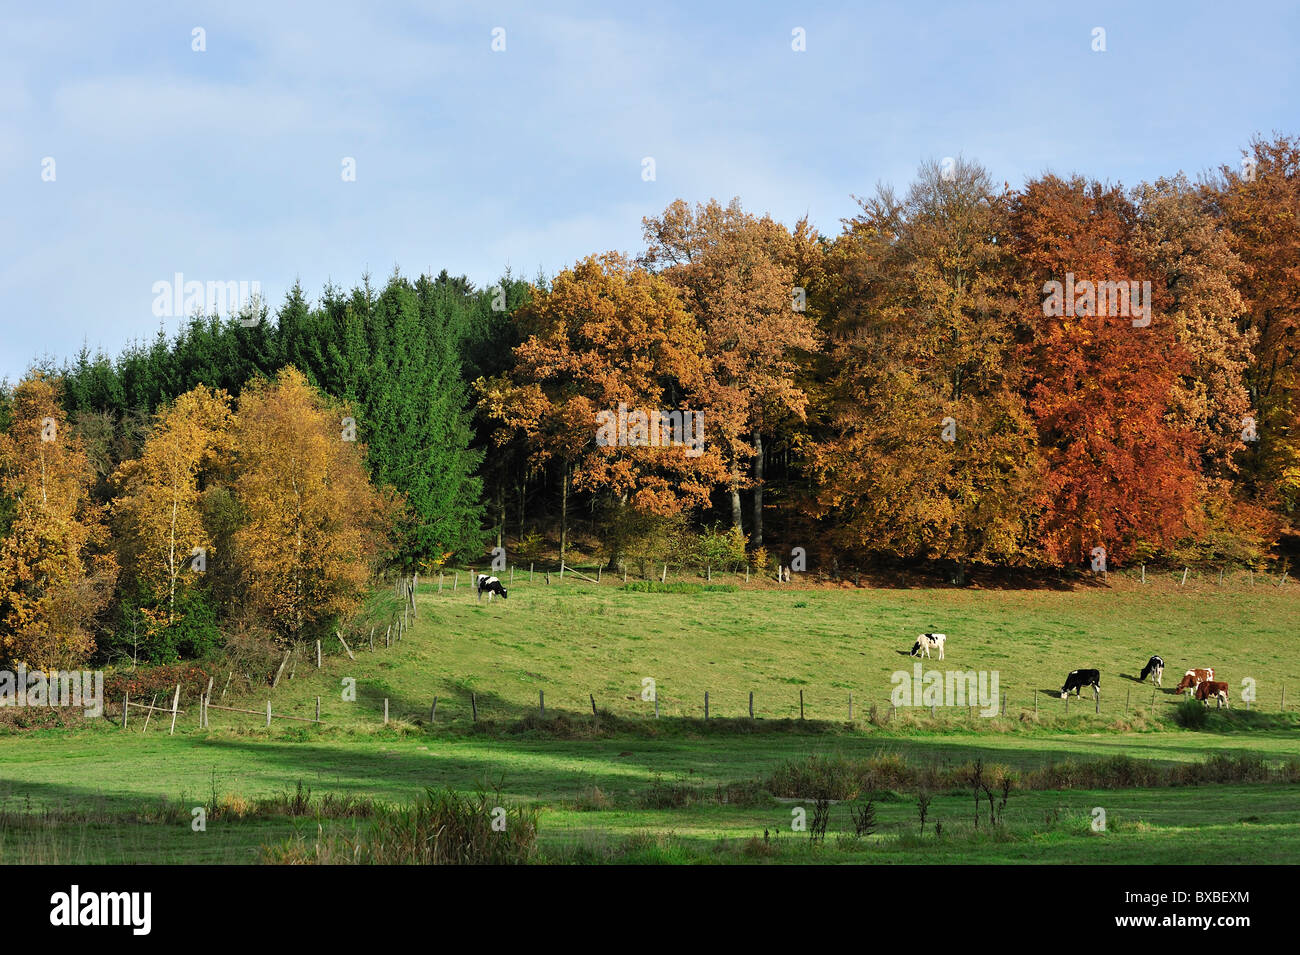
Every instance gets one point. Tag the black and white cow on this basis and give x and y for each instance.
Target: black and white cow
(1078, 679)
(927, 642)
(490, 586)
(1155, 669)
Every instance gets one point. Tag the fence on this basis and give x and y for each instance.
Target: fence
(406, 588)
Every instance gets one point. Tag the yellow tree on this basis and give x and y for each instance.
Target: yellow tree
(54, 578)
(159, 505)
(312, 524)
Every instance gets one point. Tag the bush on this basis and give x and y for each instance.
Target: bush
(442, 828)
(1191, 715)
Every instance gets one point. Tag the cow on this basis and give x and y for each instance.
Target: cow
(1078, 679)
(1194, 678)
(927, 641)
(490, 586)
(1209, 689)
(1155, 668)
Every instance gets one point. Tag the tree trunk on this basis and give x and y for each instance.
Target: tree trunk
(735, 498)
(564, 513)
(758, 488)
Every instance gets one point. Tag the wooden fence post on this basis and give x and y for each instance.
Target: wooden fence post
(433, 711)
(751, 704)
(593, 704)
(126, 705)
(664, 579)
(1184, 580)
(1127, 694)
(530, 572)
(706, 704)
(473, 705)
(801, 704)
(317, 654)
(148, 715)
(318, 709)
(541, 703)
(175, 703)
(268, 714)
(385, 711)
(512, 575)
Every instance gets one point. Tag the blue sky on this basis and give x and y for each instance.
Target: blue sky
(226, 164)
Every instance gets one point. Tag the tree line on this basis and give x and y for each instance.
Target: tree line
(965, 375)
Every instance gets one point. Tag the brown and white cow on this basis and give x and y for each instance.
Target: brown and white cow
(1210, 690)
(1194, 678)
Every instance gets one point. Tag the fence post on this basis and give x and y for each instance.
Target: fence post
(175, 703)
(1184, 580)
(706, 704)
(656, 702)
(593, 704)
(1127, 694)
(126, 705)
(473, 705)
(751, 704)
(318, 709)
(385, 711)
(512, 575)
(1144, 573)
(801, 704)
(541, 703)
(850, 707)
(433, 711)
(530, 572)
(268, 714)
(664, 578)
(317, 654)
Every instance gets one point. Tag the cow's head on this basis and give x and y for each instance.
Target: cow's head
(503, 593)
(916, 648)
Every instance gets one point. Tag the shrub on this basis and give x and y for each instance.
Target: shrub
(1191, 715)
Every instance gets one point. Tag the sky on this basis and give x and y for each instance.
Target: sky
(128, 156)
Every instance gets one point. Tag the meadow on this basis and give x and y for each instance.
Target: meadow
(621, 785)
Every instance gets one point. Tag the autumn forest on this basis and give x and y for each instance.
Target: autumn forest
(966, 378)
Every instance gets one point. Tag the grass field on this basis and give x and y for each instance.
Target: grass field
(623, 786)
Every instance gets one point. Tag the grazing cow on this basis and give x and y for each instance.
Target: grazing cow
(1194, 678)
(1209, 689)
(1155, 668)
(490, 586)
(927, 641)
(1078, 679)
